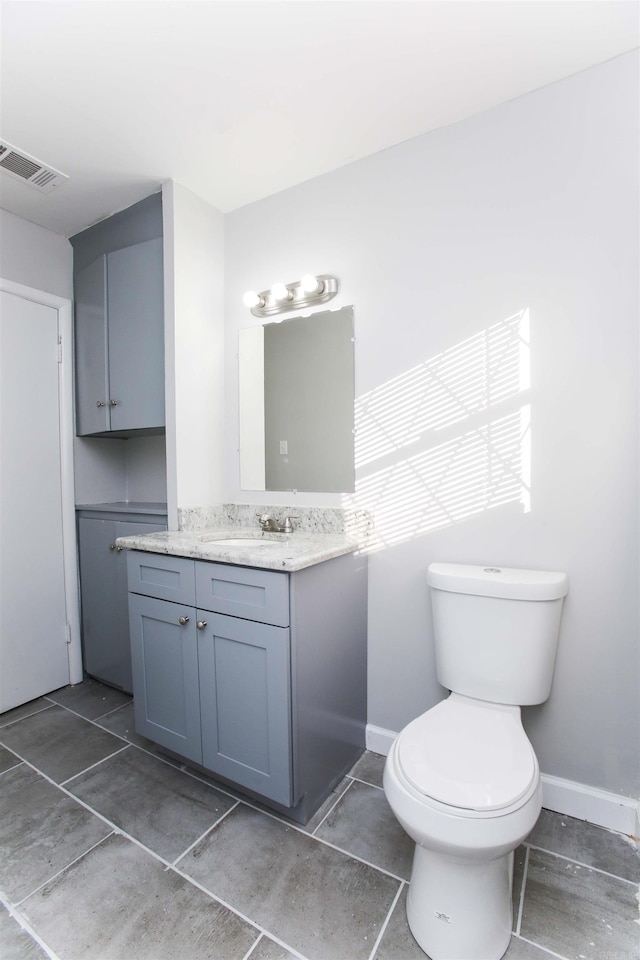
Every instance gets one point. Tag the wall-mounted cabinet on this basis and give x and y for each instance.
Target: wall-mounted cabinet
(119, 342)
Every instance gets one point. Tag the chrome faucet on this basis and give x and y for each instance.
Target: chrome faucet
(270, 524)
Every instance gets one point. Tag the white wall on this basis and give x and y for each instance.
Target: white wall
(194, 350)
(528, 210)
(36, 257)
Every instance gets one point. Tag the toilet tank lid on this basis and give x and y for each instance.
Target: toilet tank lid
(493, 581)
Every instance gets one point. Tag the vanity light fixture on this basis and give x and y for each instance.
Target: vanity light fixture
(308, 292)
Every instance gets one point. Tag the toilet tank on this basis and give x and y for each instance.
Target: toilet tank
(496, 630)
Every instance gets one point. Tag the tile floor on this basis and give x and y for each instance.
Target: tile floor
(108, 850)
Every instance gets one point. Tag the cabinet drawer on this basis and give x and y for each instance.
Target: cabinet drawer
(158, 575)
(261, 595)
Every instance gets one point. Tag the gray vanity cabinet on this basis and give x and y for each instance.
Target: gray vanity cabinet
(164, 654)
(103, 589)
(119, 342)
(258, 676)
(211, 687)
(245, 709)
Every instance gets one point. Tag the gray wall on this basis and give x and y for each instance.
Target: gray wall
(488, 443)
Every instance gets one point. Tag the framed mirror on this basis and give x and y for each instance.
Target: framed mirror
(297, 392)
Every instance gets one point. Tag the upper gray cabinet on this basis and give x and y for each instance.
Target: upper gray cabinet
(119, 340)
(119, 323)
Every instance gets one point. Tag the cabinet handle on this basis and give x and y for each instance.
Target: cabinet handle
(201, 624)
(112, 546)
(183, 620)
(113, 403)
(100, 403)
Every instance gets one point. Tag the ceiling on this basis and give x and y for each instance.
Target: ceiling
(237, 100)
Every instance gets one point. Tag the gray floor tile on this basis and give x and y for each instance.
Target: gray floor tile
(15, 942)
(277, 875)
(579, 912)
(362, 824)
(162, 807)
(121, 723)
(90, 698)
(588, 844)
(58, 743)
(26, 710)
(119, 902)
(8, 759)
(43, 830)
(521, 950)
(397, 941)
(268, 949)
(369, 768)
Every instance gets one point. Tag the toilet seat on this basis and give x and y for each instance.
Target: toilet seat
(468, 754)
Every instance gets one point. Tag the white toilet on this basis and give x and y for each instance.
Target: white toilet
(462, 779)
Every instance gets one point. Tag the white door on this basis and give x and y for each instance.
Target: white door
(33, 620)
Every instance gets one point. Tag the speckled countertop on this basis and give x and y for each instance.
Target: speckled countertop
(272, 551)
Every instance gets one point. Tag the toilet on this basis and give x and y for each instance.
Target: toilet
(462, 779)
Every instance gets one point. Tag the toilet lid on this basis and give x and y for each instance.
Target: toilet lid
(468, 754)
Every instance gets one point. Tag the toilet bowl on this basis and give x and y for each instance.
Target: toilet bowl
(462, 779)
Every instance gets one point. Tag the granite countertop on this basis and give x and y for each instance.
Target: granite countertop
(271, 551)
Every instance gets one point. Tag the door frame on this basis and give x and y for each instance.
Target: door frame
(63, 306)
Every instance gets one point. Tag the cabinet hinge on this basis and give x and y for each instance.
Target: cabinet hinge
(67, 632)
(59, 349)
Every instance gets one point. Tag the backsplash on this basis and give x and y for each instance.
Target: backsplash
(349, 521)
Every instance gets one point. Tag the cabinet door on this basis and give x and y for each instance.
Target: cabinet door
(245, 703)
(103, 585)
(92, 401)
(164, 657)
(136, 336)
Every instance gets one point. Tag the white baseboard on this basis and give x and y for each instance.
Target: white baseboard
(578, 800)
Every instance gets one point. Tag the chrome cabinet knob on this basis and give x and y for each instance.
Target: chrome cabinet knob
(183, 620)
(100, 403)
(201, 624)
(113, 403)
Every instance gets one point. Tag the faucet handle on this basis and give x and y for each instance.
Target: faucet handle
(287, 526)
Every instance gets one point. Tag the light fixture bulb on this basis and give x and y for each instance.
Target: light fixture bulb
(280, 291)
(252, 299)
(311, 284)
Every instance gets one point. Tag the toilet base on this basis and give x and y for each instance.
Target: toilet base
(460, 909)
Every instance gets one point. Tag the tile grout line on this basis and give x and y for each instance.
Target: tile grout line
(27, 928)
(387, 920)
(114, 828)
(538, 946)
(579, 863)
(63, 869)
(26, 716)
(522, 889)
(203, 835)
(330, 810)
(326, 843)
(92, 766)
(253, 946)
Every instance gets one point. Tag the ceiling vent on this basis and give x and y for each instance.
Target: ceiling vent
(19, 165)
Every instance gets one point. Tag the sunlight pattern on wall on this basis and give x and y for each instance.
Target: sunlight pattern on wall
(450, 438)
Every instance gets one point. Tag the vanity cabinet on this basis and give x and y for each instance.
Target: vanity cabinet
(119, 342)
(103, 585)
(256, 676)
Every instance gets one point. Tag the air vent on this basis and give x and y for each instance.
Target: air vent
(19, 165)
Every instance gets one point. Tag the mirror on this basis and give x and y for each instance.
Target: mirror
(297, 393)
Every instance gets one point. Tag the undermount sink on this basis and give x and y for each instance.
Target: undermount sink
(239, 541)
